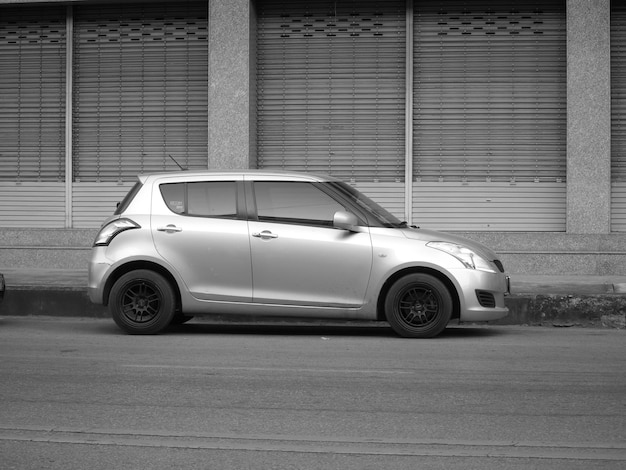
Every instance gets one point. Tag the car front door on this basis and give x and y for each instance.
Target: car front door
(298, 257)
(198, 230)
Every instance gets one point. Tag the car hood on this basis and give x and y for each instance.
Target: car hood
(434, 235)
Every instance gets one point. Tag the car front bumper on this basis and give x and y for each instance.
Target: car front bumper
(482, 295)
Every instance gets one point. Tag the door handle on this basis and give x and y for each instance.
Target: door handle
(265, 234)
(169, 229)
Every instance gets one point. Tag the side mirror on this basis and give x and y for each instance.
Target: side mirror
(345, 221)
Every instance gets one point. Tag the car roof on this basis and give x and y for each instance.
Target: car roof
(247, 174)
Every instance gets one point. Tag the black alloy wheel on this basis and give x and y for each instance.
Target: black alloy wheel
(418, 306)
(142, 302)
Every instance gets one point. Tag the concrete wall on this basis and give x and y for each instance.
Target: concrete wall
(45, 248)
(522, 253)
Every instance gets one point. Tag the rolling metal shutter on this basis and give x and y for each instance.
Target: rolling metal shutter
(140, 95)
(331, 91)
(618, 119)
(141, 89)
(32, 116)
(489, 115)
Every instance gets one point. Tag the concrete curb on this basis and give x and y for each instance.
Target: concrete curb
(50, 302)
(559, 301)
(601, 310)
(608, 310)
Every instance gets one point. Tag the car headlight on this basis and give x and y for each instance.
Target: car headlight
(113, 228)
(465, 255)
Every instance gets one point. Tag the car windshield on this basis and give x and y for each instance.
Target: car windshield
(380, 214)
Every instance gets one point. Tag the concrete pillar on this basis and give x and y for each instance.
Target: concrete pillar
(588, 116)
(231, 66)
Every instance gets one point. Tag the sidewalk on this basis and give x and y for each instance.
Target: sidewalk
(556, 300)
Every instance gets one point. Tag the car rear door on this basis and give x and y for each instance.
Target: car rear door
(298, 258)
(199, 228)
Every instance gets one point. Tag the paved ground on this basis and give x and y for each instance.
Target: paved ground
(77, 393)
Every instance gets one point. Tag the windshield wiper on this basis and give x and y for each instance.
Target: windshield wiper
(403, 224)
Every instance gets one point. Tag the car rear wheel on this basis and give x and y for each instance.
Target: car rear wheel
(418, 306)
(142, 302)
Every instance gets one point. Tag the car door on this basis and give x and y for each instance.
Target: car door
(198, 230)
(298, 258)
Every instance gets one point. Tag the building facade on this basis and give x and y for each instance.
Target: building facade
(504, 121)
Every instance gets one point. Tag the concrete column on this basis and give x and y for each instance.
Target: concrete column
(231, 52)
(588, 116)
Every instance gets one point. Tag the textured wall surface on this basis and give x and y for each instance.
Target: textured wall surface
(230, 117)
(588, 116)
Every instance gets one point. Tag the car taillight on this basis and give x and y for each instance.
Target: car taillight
(112, 229)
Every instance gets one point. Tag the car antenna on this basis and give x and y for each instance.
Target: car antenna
(178, 164)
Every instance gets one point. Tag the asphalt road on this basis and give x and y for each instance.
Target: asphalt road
(77, 394)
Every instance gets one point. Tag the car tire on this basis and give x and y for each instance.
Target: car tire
(142, 302)
(418, 306)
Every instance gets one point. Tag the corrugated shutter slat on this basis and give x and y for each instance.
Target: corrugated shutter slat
(489, 91)
(489, 127)
(618, 119)
(32, 94)
(141, 89)
(331, 86)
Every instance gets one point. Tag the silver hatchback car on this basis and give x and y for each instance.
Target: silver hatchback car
(278, 244)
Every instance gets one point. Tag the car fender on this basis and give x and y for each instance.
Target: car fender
(124, 249)
(395, 256)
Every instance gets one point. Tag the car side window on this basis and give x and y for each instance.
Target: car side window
(174, 196)
(294, 202)
(202, 198)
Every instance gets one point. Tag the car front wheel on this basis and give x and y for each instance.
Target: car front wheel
(142, 302)
(418, 306)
